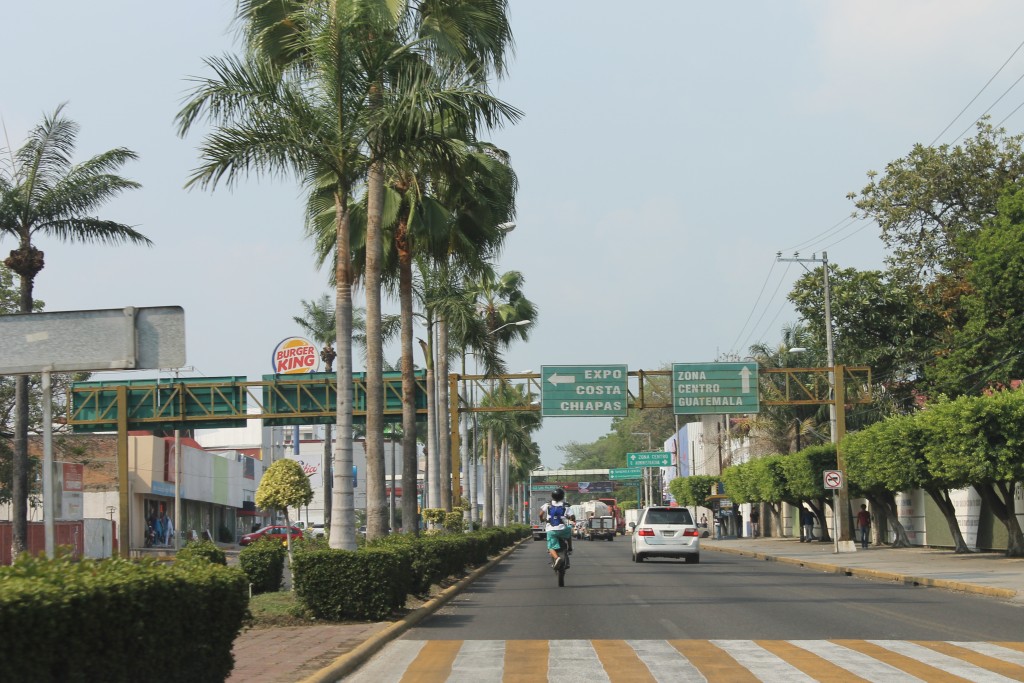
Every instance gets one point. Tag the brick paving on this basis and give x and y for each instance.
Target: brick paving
(292, 653)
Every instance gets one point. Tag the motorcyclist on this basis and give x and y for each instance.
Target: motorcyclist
(554, 514)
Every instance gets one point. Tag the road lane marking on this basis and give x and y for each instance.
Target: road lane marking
(713, 662)
(621, 662)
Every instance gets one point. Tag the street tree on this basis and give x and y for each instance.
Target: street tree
(985, 350)
(979, 441)
(887, 458)
(44, 193)
(284, 485)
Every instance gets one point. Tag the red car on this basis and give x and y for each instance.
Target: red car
(277, 531)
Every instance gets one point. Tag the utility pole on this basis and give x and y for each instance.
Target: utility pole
(843, 519)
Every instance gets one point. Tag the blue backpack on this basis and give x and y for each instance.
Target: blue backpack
(555, 514)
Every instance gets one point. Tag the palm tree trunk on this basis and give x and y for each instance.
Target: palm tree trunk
(488, 494)
(343, 515)
(444, 440)
(433, 477)
(376, 499)
(464, 458)
(410, 464)
(20, 463)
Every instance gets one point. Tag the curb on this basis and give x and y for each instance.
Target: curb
(947, 584)
(350, 661)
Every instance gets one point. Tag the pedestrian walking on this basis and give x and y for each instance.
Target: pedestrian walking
(755, 520)
(807, 525)
(864, 524)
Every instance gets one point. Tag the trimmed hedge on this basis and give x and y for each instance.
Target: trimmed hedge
(374, 581)
(119, 620)
(263, 563)
(369, 584)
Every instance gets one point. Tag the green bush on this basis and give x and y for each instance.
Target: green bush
(202, 550)
(263, 563)
(118, 620)
(369, 584)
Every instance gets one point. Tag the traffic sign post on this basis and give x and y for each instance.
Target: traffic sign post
(583, 390)
(834, 481)
(714, 388)
(649, 459)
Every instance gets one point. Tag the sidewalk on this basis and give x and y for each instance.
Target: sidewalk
(315, 654)
(991, 574)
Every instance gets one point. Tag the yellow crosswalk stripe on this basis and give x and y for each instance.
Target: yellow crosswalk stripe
(621, 663)
(1008, 669)
(526, 661)
(713, 662)
(434, 662)
(818, 668)
(910, 665)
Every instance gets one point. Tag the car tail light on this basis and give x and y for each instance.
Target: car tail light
(645, 532)
(691, 532)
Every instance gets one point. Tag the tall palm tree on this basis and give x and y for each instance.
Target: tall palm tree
(293, 105)
(320, 322)
(500, 301)
(463, 37)
(44, 193)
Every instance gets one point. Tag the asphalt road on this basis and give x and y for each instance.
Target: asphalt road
(607, 596)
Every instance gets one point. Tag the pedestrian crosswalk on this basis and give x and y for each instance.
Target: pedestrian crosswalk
(683, 661)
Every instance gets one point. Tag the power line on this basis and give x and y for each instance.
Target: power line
(822, 235)
(998, 71)
(764, 285)
(998, 99)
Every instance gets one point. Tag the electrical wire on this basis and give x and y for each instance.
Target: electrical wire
(984, 113)
(988, 83)
(764, 285)
(821, 236)
(765, 309)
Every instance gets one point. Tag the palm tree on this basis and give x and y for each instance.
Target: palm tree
(459, 42)
(295, 104)
(43, 193)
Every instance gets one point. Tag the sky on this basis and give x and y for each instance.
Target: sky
(669, 150)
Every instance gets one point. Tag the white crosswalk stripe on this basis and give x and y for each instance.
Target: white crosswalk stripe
(688, 661)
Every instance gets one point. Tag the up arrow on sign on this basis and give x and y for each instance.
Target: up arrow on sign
(745, 380)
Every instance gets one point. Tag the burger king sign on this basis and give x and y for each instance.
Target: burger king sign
(295, 356)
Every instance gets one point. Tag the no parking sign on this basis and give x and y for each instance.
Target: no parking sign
(833, 479)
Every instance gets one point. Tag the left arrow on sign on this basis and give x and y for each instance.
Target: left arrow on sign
(557, 379)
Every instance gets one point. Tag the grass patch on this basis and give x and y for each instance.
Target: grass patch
(281, 608)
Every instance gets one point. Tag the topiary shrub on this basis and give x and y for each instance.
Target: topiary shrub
(263, 563)
(202, 550)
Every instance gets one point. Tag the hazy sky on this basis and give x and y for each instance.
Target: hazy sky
(669, 149)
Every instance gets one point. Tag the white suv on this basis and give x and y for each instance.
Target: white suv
(666, 532)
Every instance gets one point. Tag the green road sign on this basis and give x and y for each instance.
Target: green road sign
(583, 390)
(619, 473)
(655, 459)
(714, 388)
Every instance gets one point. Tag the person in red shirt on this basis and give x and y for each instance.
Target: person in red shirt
(864, 524)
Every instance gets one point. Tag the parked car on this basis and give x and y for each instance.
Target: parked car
(315, 530)
(666, 532)
(277, 531)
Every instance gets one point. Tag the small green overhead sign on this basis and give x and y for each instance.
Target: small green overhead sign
(656, 459)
